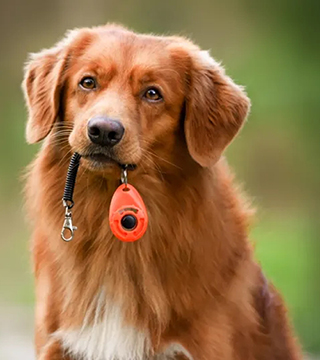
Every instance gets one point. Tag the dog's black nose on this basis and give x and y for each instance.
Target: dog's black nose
(105, 131)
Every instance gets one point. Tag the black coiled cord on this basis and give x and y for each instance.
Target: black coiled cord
(71, 179)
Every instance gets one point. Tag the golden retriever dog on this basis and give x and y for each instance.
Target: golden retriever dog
(189, 288)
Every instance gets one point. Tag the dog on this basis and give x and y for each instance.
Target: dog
(189, 288)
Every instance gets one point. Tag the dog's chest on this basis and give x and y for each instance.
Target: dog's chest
(107, 337)
(108, 340)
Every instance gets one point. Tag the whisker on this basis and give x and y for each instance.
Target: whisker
(153, 163)
(152, 153)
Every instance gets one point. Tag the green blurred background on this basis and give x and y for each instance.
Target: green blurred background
(271, 47)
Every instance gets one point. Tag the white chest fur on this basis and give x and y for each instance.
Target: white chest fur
(107, 337)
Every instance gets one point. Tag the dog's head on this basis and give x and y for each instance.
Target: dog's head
(117, 97)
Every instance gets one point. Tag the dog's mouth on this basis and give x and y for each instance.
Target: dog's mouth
(100, 160)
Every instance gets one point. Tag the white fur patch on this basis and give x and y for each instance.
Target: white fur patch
(175, 349)
(108, 338)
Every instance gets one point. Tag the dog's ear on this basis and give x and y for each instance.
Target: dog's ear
(42, 85)
(215, 109)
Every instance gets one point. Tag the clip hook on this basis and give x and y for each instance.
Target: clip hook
(67, 226)
(124, 175)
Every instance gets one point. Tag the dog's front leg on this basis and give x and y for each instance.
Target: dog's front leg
(209, 339)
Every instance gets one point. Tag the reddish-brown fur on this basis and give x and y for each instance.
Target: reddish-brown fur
(191, 279)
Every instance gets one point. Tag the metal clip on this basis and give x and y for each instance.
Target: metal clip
(124, 175)
(67, 226)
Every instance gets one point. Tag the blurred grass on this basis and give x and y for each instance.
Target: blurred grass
(16, 280)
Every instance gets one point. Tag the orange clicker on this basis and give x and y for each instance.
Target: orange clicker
(128, 216)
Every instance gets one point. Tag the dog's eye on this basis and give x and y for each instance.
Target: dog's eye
(152, 94)
(88, 83)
